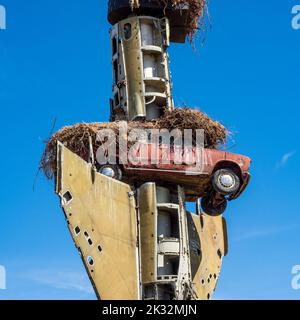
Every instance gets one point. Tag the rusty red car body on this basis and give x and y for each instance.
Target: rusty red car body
(158, 164)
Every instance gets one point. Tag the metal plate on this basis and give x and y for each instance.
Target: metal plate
(102, 220)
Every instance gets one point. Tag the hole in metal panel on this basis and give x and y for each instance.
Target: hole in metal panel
(114, 45)
(127, 31)
(67, 197)
(77, 230)
(90, 261)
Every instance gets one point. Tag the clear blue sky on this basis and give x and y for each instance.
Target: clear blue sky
(55, 63)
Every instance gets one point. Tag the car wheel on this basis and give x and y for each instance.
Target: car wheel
(111, 171)
(226, 182)
(212, 207)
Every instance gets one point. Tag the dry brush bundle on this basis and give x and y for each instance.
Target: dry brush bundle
(215, 134)
(77, 137)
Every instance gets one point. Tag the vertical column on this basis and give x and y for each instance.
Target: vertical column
(164, 247)
(141, 78)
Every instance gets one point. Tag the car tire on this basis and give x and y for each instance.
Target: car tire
(111, 171)
(226, 182)
(213, 210)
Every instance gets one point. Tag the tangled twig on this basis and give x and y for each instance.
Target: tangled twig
(77, 137)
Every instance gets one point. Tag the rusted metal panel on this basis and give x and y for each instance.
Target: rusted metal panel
(196, 177)
(202, 161)
(102, 220)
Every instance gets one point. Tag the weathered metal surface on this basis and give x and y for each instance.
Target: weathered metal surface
(178, 15)
(142, 85)
(102, 220)
(148, 232)
(133, 68)
(195, 178)
(193, 161)
(101, 215)
(208, 246)
(165, 257)
(184, 288)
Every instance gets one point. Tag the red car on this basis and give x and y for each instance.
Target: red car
(219, 176)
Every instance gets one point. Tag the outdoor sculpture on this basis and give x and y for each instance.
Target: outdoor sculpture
(129, 221)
